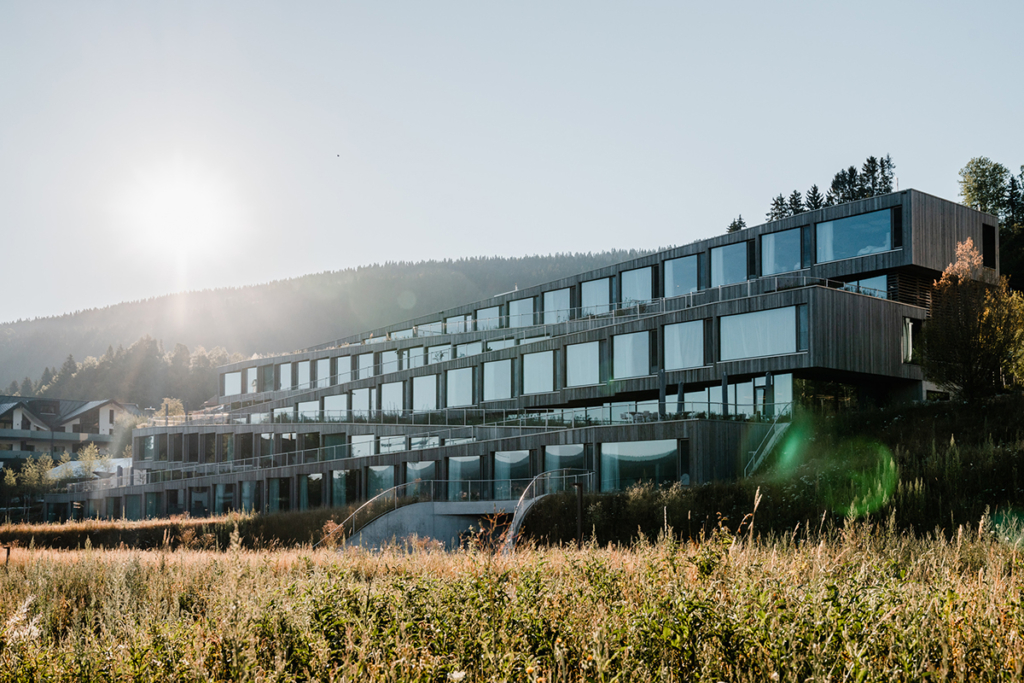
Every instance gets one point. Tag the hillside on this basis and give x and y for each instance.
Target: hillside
(284, 315)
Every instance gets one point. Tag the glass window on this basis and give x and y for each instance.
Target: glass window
(418, 443)
(343, 369)
(362, 444)
(148, 447)
(498, 380)
(389, 362)
(227, 447)
(402, 334)
(430, 329)
(596, 296)
(424, 392)
(636, 286)
(729, 264)
(413, 358)
(761, 333)
(626, 463)
(309, 411)
(512, 473)
(538, 372)
(488, 318)
(302, 379)
(582, 364)
(463, 473)
(439, 354)
(391, 397)
(520, 313)
(631, 355)
(681, 276)
(871, 286)
(379, 478)
(684, 345)
(868, 233)
(420, 471)
(457, 324)
(531, 340)
(499, 344)
(252, 384)
(362, 404)
(392, 444)
(267, 372)
(284, 373)
(343, 488)
(323, 372)
(780, 252)
(336, 408)
(364, 362)
(564, 458)
(556, 306)
(460, 387)
(232, 383)
(470, 349)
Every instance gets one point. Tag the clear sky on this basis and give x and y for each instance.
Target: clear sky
(148, 148)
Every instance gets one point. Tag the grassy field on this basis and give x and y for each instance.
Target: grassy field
(854, 603)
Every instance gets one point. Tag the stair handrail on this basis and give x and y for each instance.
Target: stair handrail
(531, 495)
(757, 456)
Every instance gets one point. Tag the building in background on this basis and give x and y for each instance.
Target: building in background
(673, 367)
(32, 427)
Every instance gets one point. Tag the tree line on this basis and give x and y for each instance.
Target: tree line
(989, 186)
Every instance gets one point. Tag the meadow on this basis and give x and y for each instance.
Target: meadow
(857, 602)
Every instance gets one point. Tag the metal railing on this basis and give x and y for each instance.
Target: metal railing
(755, 457)
(542, 485)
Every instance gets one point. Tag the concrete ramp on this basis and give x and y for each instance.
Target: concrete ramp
(441, 521)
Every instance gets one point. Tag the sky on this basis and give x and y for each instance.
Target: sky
(149, 148)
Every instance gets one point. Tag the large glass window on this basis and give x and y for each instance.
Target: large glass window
(392, 444)
(681, 276)
(511, 473)
(780, 252)
(457, 324)
(626, 463)
(761, 333)
(684, 345)
(362, 403)
(252, 384)
(868, 233)
(379, 478)
(636, 286)
(302, 379)
(460, 388)
(488, 318)
(343, 369)
(336, 408)
(729, 264)
(556, 306)
(362, 444)
(419, 472)
(470, 349)
(418, 443)
(309, 411)
(424, 392)
(499, 344)
(464, 473)
(343, 487)
(365, 364)
(389, 362)
(392, 397)
(412, 358)
(232, 383)
(631, 355)
(430, 329)
(596, 296)
(520, 313)
(871, 286)
(323, 372)
(284, 374)
(582, 364)
(564, 458)
(439, 354)
(538, 372)
(498, 380)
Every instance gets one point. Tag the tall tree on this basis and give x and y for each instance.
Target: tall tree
(46, 378)
(886, 173)
(814, 199)
(12, 389)
(1014, 209)
(737, 224)
(870, 178)
(780, 209)
(26, 387)
(983, 185)
(796, 203)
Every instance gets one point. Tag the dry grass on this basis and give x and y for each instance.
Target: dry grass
(857, 603)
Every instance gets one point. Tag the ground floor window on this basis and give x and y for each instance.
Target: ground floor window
(629, 462)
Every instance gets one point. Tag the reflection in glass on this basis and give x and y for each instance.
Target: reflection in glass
(402, 334)
(417, 443)
(520, 313)
(309, 411)
(556, 306)
(232, 383)
(499, 344)
(488, 318)
(284, 373)
(430, 329)
(302, 379)
(439, 354)
(681, 276)
(416, 472)
(761, 333)
(364, 362)
(626, 463)
(457, 324)
(336, 408)
(511, 473)
(323, 372)
(362, 403)
(871, 286)
(636, 286)
(596, 296)
(343, 365)
(498, 380)
(389, 362)
(362, 444)
(424, 392)
(631, 355)
(379, 478)
(684, 345)
(582, 364)
(392, 396)
(460, 388)
(868, 233)
(780, 252)
(412, 358)
(343, 489)
(538, 372)
(470, 349)
(392, 444)
(463, 473)
(251, 383)
(729, 264)
(564, 458)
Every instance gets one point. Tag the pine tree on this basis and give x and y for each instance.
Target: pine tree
(814, 199)
(885, 174)
(12, 389)
(1014, 218)
(26, 387)
(854, 189)
(779, 210)
(737, 224)
(46, 378)
(796, 203)
(870, 178)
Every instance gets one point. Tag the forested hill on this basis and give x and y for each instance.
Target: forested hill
(283, 315)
